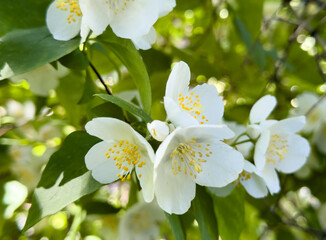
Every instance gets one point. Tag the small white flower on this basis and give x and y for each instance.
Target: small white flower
(141, 222)
(184, 107)
(319, 137)
(121, 151)
(279, 148)
(193, 155)
(132, 19)
(21, 112)
(65, 20)
(318, 115)
(158, 129)
(249, 178)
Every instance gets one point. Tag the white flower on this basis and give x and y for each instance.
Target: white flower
(21, 112)
(42, 79)
(158, 129)
(184, 107)
(193, 155)
(65, 20)
(279, 148)
(319, 137)
(249, 178)
(141, 222)
(132, 19)
(304, 102)
(121, 150)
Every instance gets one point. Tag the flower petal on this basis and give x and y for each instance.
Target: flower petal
(165, 6)
(56, 20)
(103, 169)
(260, 150)
(271, 179)
(146, 179)
(222, 167)
(255, 186)
(262, 109)
(223, 191)
(213, 107)
(293, 124)
(110, 129)
(145, 41)
(178, 81)
(296, 157)
(173, 192)
(135, 19)
(84, 31)
(95, 14)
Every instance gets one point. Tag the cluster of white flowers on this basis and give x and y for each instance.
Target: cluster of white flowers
(132, 19)
(194, 148)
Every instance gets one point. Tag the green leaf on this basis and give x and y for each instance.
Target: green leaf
(89, 89)
(203, 208)
(230, 214)
(125, 50)
(75, 60)
(25, 50)
(176, 225)
(22, 14)
(64, 179)
(126, 106)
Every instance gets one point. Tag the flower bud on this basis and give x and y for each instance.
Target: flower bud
(253, 131)
(158, 129)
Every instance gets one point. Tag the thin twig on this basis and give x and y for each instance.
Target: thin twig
(100, 78)
(315, 105)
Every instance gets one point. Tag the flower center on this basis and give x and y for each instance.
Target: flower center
(188, 157)
(126, 155)
(191, 104)
(72, 6)
(118, 5)
(276, 149)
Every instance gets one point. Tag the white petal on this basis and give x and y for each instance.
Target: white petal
(145, 41)
(260, 150)
(176, 115)
(205, 132)
(84, 31)
(249, 167)
(223, 191)
(103, 169)
(95, 14)
(213, 107)
(136, 19)
(146, 179)
(178, 81)
(173, 192)
(56, 20)
(293, 124)
(165, 6)
(222, 167)
(255, 186)
(110, 129)
(262, 109)
(271, 179)
(296, 157)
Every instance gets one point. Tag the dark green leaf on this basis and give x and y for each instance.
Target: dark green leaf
(176, 225)
(75, 60)
(64, 179)
(126, 106)
(89, 89)
(25, 50)
(129, 56)
(203, 208)
(22, 14)
(230, 214)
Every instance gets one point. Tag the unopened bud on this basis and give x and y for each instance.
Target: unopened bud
(158, 129)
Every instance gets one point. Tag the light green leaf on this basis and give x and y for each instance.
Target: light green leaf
(126, 106)
(203, 208)
(65, 178)
(176, 225)
(130, 57)
(230, 214)
(25, 50)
